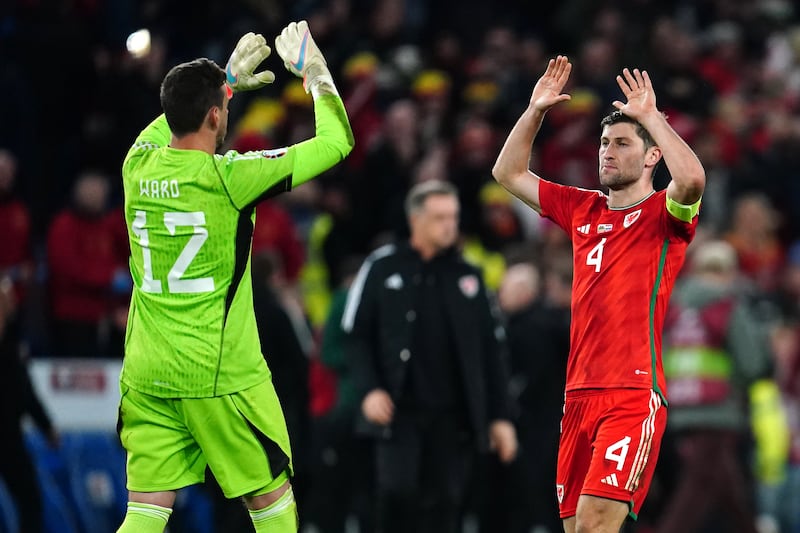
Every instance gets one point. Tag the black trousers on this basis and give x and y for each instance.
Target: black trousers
(341, 476)
(521, 496)
(422, 473)
(19, 475)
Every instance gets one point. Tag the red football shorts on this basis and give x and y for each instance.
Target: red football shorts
(609, 446)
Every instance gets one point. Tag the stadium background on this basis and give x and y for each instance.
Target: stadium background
(432, 88)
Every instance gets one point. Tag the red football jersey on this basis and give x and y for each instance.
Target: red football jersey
(625, 263)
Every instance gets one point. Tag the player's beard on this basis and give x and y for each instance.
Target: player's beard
(618, 180)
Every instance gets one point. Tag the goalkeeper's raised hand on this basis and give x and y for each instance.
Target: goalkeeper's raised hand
(250, 52)
(302, 58)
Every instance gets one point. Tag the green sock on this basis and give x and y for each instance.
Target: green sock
(280, 517)
(144, 518)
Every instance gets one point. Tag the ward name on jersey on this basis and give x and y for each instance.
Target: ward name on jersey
(159, 188)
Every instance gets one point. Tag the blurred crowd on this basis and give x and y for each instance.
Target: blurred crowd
(431, 88)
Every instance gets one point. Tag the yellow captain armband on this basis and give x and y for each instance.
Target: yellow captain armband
(683, 212)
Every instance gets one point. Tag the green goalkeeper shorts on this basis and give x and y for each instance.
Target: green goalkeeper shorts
(242, 438)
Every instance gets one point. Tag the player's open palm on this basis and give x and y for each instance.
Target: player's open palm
(547, 91)
(638, 91)
(250, 52)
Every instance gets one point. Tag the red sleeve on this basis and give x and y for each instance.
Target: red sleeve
(558, 202)
(677, 229)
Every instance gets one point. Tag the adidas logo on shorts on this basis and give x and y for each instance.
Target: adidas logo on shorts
(610, 479)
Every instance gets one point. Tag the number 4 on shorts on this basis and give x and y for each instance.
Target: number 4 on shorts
(618, 451)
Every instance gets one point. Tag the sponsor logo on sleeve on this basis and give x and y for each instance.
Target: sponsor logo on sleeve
(273, 154)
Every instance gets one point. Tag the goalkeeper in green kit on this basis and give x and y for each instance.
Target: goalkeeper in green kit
(195, 389)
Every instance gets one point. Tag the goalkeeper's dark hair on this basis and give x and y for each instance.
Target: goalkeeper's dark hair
(188, 91)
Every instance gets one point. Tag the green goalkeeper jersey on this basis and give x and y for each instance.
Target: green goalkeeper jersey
(191, 326)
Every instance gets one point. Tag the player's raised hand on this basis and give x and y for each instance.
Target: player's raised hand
(638, 91)
(299, 52)
(547, 91)
(250, 52)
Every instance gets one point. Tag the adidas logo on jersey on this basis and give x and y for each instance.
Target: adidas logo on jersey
(610, 479)
(584, 229)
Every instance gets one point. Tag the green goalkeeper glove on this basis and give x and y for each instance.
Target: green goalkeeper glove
(302, 58)
(250, 52)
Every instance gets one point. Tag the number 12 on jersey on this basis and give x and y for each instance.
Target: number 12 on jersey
(595, 256)
(175, 283)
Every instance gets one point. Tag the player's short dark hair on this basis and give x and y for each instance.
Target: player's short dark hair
(188, 91)
(618, 116)
(420, 192)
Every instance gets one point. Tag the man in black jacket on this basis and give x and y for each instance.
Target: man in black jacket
(426, 352)
(18, 398)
